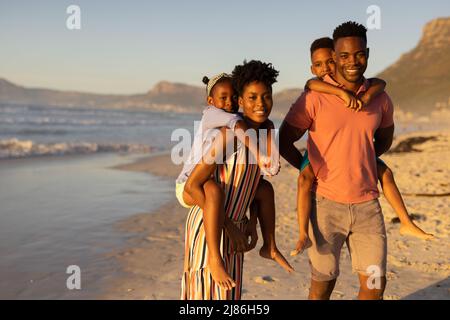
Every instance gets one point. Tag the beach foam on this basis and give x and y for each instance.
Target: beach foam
(15, 148)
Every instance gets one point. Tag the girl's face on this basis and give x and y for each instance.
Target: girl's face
(256, 102)
(222, 96)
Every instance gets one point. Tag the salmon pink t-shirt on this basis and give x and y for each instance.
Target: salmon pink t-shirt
(340, 142)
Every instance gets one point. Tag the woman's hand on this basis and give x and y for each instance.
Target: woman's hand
(238, 238)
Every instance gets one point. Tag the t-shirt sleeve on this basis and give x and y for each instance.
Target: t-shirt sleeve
(387, 113)
(302, 112)
(217, 118)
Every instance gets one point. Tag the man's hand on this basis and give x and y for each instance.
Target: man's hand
(303, 243)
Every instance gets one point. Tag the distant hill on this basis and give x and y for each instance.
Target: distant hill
(164, 96)
(420, 80)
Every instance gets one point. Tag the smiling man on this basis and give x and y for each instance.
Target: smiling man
(342, 147)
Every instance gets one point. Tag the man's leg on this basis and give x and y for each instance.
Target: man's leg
(368, 248)
(328, 229)
(321, 290)
(369, 289)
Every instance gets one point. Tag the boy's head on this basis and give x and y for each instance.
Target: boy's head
(351, 52)
(322, 62)
(253, 82)
(219, 91)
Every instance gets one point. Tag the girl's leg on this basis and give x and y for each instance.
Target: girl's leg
(213, 222)
(393, 196)
(264, 203)
(304, 184)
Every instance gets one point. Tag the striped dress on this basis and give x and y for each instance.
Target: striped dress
(239, 182)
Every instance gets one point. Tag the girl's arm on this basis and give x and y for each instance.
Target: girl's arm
(377, 86)
(205, 169)
(324, 87)
(251, 142)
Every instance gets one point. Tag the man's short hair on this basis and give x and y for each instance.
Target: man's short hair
(321, 43)
(350, 29)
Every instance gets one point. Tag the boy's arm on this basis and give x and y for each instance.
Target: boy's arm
(377, 86)
(321, 86)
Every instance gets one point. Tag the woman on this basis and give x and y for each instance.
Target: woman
(239, 180)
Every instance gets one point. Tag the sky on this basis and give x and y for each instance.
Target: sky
(128, 46)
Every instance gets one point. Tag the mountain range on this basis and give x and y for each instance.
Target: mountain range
(418, 81)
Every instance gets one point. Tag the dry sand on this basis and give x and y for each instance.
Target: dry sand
(417, 269)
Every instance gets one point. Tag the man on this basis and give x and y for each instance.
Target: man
(342, 146)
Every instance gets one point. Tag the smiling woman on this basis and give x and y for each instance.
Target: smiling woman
(239, 179)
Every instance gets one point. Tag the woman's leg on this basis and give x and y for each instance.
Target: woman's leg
(213, 222)
(393, 196)
(264, 203)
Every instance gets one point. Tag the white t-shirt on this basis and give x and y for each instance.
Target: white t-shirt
(212, 118)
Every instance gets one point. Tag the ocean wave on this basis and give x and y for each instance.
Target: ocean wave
(14, 148)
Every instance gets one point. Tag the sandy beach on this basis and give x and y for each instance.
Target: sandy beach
(417, 269)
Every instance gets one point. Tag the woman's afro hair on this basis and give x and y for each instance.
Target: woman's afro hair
(251, 71)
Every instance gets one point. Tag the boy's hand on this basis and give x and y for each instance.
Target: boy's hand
(238, 239)
(349, 99)
(303, 243)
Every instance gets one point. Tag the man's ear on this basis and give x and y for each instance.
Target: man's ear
(367, 53)
(333, 54)
(210, 100)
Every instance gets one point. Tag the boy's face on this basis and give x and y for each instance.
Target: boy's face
(256, 102)
(322, 62)
(222, 96)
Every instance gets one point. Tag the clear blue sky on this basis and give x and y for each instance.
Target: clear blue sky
(128, 46)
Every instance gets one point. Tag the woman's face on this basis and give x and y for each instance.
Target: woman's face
(256, 102)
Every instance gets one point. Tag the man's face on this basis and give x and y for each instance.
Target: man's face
(351, 54)
(322, 62)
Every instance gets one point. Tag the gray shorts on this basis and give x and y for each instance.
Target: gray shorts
(360, 225)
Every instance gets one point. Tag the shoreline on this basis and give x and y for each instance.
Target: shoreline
(153, 259)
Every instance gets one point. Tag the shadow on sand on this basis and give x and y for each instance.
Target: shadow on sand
(437, 291)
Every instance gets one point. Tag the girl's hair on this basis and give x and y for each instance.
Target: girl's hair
(254, 70)
(210, 83)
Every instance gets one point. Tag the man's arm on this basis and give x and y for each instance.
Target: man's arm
(383, 139)
(288, 136)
